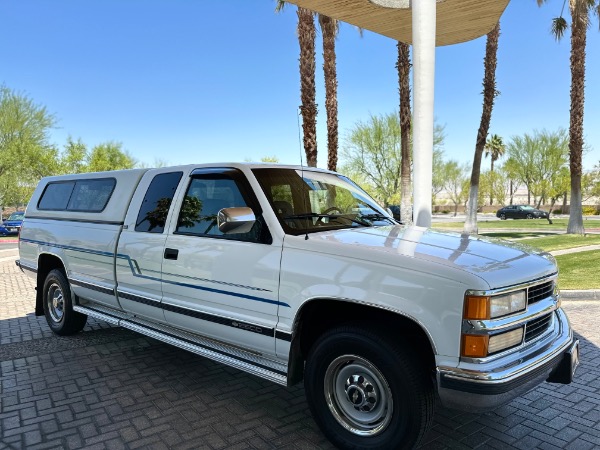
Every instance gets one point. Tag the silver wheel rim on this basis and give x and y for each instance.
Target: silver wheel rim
(56, 302)
(358, 395)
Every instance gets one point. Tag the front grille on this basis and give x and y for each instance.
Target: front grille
(536, 327)
(540, 292)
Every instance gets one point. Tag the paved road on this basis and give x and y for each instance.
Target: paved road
(110, 388)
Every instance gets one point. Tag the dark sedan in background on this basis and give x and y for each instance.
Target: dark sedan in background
(521, 212)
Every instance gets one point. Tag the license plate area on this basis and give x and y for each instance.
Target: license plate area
(565, 371)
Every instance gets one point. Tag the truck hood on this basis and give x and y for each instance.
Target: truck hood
(497, 262)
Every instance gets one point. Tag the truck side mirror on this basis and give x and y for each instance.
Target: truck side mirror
(235, 220)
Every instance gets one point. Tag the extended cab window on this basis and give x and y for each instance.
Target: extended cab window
(206, 195)
(90, 195)
(56, 196)
(157, 201)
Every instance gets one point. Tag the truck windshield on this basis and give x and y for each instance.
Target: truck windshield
(308, 201)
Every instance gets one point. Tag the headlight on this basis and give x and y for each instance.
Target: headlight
(480, 307)
(503, 305)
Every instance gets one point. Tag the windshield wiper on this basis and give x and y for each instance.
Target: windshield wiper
(377, 216)
(329, 216)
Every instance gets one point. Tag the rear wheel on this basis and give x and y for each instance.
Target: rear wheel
(502, 216)
(368, 391)
(58, 305)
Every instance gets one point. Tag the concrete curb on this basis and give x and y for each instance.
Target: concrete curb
(590, 294)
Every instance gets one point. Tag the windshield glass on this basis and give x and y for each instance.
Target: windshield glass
(527, 207)
(16, 216)
(306, 201)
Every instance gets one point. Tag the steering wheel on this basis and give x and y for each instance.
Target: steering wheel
(329, 210)
(333, 208)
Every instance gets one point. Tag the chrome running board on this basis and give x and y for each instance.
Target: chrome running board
(239, 358)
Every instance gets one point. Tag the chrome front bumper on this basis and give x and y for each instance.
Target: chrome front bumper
(500, 381)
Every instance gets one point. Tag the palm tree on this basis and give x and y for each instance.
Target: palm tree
(580, 18)
(306, 37)
(494, 148)
(330, 28)
(308, 107)
(403, 66)
(489, 94)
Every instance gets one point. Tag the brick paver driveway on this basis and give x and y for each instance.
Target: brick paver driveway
(110, 388)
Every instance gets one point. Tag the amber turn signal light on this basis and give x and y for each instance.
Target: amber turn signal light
(477, 307)
(475, 346)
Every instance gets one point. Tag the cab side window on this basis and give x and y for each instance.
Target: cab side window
(157, 201)
(205, 197)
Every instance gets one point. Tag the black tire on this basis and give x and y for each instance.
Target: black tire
(529, 216)
(502, 216)
(58, 305)
(367, 391)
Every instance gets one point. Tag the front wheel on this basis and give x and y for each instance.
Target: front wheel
(529, 216)
(502, 216)
(58, 306)
(367, 391)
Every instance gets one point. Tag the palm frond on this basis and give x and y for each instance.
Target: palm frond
(280, 5)
(559, 26)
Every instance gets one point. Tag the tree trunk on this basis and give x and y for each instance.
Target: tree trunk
(403, 66)
(578, 43)
(308, 108)
(492, 179)
(329, 30)
(489, 93)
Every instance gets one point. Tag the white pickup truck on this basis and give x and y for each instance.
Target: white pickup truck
(295, 274)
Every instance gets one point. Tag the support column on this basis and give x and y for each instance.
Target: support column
(423, 38)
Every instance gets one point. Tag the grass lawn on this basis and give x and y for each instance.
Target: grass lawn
(552, 242)
(537, 224)
(576, 270)
(579, 270)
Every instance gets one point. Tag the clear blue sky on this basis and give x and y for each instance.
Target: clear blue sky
(193, 81)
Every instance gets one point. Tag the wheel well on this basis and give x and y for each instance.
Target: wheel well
(318, 316)
(46, 263)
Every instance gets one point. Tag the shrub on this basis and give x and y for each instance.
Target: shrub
(589, 210)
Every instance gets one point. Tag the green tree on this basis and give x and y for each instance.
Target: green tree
(372, 150)
(536, 160)
(109, 156)
(495, 184)
(437, 176)
(455, 181)
(73, 157)
(25, 151)
(489, 94)
(580, 18)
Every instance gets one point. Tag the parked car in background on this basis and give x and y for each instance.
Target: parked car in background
(521, 212)
(3, 231)
(12, 225)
